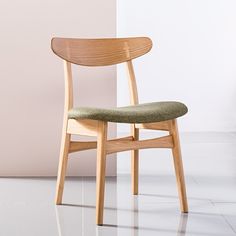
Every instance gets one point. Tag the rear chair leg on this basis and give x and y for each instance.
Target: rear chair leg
(65, 143)
(135, 163)
(179, 172)
(101, 169)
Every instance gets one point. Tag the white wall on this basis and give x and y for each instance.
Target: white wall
(32, 83)
(193, 58)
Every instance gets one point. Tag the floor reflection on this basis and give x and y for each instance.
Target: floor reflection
(124, 214)
(79, 220)
(183, 219)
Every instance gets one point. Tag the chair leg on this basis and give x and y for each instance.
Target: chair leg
(101, 169)
(62, 167)
(135, 163)
(179, 167)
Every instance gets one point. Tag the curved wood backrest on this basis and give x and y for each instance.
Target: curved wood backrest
(100, 52)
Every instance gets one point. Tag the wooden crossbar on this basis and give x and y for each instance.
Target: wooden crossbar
(76, 146)
(124, 145)
(164, 125)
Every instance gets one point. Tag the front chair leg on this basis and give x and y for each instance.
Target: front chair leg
(65, 143)
(179, 167)
(101, 169)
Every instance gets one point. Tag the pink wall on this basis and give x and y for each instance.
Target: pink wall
(32, 85)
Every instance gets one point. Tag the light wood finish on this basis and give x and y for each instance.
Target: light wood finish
(121, 146)
(128, 138)
(65, 142)
(76, 146)
(124, 144)
(163, 125)
(132, 83)
(134, 132)
(101, 170)
(82, 127)
(100, 52)
(179, 167)
(135, 162)
(62, 167)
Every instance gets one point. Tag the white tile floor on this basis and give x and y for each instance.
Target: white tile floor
(27, 208)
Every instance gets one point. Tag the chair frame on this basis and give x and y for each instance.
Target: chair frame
(104, 146)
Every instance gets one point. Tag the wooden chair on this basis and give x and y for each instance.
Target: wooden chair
(93, 121)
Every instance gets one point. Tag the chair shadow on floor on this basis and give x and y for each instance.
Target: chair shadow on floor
(169, 196)
(132, 229)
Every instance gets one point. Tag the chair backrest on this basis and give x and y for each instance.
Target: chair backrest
(100, 52)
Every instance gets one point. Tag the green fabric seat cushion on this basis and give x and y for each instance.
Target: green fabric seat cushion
(142, 113)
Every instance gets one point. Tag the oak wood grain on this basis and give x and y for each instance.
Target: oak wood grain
(100, 52)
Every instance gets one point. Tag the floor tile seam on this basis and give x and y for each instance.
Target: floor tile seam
(222, 215)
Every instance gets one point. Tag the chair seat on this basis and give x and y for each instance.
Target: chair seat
(142, 113)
